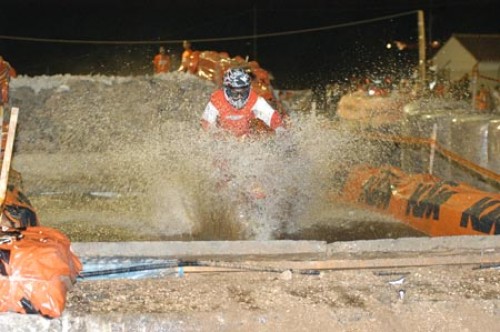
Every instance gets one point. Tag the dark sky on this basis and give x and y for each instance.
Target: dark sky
(329, 54)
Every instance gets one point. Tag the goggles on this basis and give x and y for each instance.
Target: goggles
(238, 93)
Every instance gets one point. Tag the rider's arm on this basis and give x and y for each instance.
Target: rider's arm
(267, 114)
(209, 117)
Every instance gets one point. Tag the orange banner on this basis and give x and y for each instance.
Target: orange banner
(424, 202)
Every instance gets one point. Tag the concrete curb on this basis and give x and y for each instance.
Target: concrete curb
(213, 250)
(284, 250)
(417, 245)
(71, 321)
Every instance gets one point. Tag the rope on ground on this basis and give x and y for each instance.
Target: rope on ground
(427, 142)
(255, 268)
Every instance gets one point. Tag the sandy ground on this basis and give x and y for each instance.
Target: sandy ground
(429, 299)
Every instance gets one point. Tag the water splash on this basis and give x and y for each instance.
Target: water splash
(140, 137)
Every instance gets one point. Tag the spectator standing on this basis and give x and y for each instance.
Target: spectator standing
(186, 54)
(161, 61)
(6, 73)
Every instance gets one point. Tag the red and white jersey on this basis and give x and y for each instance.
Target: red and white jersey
(221, 114)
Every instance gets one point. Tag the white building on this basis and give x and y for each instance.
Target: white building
(468, 54)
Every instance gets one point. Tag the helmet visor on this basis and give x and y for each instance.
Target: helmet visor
(238, 93)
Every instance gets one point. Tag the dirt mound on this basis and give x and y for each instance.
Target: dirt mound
(99, 113)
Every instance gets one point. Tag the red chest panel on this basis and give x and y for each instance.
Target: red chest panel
(234, 120)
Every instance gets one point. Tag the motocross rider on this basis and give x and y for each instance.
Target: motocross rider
(233, 107)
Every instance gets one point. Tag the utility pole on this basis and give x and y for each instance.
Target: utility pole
(255, 32)
(421, 47)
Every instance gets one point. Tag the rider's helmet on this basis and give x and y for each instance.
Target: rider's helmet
(236, 85)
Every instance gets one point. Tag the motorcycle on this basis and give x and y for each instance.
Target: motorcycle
(247, 173)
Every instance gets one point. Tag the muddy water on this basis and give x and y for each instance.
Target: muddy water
(123, 158)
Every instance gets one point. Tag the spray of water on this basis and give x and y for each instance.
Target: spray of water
(128, 153)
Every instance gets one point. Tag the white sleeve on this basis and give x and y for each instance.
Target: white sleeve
(210, 114)
(263, 110)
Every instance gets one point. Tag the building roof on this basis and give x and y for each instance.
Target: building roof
(482, 47)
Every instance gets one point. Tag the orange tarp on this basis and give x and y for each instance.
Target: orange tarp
(424, 202)
(36, 271)
(211, 66)
(17, 209)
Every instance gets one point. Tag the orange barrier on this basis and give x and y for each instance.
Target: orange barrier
(17, 211)
(211, 66)
(37, 268)
(424, 202)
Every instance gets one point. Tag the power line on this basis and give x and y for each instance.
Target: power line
(204, 40)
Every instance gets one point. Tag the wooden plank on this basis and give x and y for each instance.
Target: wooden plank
(380, 263)
(7, 156)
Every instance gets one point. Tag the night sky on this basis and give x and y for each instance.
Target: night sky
(295, 59)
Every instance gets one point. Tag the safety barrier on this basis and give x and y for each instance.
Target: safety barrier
(424, 202)
(37, 268)
(17, 211)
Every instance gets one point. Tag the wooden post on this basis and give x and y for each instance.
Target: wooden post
(255, 32)
(7, 155)
(421, 47)
(1, 127)
(433, 148)
(313, 108)
(474, 89)
(1, 131)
